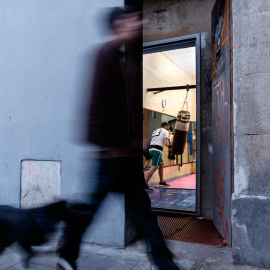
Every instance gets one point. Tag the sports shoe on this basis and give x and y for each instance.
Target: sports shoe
(163, 184)
(63, 264)
(148, 188)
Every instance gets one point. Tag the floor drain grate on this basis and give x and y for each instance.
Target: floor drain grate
(190, 229)
(208, 267)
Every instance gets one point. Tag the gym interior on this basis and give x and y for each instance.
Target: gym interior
(169, 85)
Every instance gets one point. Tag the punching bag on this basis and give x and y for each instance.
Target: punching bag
(181, 128)
(180, 132)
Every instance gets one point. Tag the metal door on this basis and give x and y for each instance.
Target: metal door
(221, 63)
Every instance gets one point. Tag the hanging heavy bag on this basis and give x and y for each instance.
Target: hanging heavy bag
(181, 129)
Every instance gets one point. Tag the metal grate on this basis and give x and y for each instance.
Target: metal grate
(190, 229)
(207, 267)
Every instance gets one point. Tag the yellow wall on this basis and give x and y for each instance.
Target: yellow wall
(159, 71)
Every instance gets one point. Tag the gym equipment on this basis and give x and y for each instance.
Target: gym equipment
(181, 128)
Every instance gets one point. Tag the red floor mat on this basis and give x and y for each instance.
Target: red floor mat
(190, 229)
(186, 182)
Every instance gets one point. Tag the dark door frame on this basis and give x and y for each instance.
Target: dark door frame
(179, 43)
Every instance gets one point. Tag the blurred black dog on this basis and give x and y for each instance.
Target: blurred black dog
(29, 227)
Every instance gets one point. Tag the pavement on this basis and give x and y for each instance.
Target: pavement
(95, 257)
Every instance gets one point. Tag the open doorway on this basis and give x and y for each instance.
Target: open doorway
(170, 77)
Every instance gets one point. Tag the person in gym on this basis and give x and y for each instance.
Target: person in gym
(160, 138)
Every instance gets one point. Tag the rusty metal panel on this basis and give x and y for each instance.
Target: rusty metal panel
(221, 117)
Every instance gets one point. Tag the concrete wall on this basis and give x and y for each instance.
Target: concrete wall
(46, 57)
(251, 73)
(168, 19)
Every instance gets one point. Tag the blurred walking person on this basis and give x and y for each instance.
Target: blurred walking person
(119, 155)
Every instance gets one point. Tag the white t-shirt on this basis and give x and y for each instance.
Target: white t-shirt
(158, 139)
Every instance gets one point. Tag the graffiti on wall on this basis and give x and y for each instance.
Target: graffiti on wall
(208, 89)
(221, 124)
(221, 111)
(221, 116)
(221, 39)
(219, 175)
(30, 170)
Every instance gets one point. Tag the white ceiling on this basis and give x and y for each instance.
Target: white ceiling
(183, 58)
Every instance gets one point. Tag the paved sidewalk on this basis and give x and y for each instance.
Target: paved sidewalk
(93, 257)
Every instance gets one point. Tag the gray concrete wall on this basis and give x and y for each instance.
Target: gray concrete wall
(168, 19)
(46, 56)
(251, 73)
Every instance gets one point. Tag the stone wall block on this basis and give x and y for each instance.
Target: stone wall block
(244, 7)
(258, 156)
(252, 162)
(250, 230)
(251, 104)
(251, 43)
